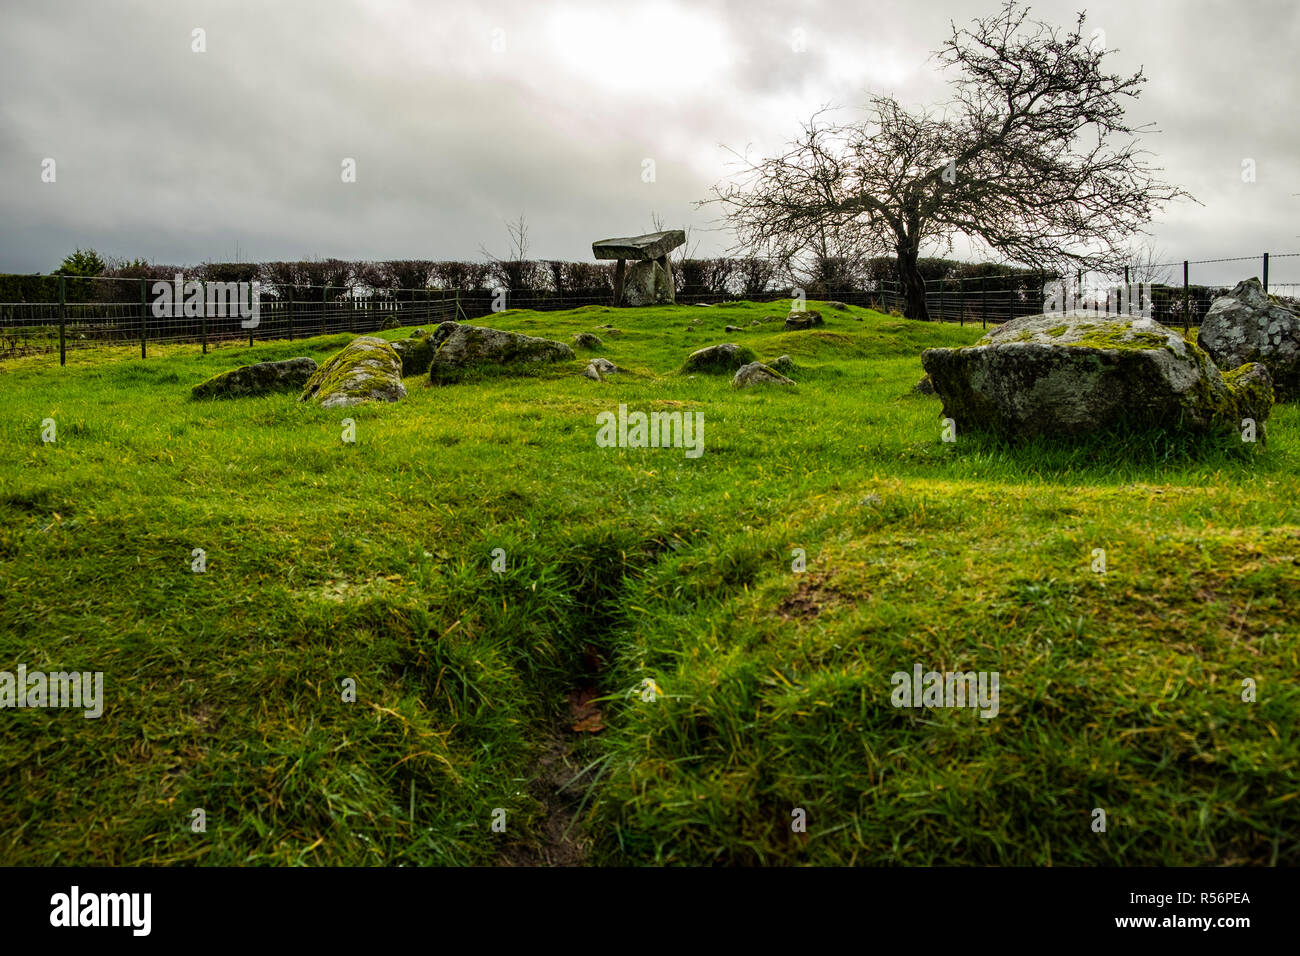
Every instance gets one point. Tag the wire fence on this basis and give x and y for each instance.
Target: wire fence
(66, 313)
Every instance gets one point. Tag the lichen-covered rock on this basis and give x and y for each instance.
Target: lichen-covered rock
(783, 364)
(263, 378)
(468, 347)
(367, 370)
(717, 359)
(924, 387)
(756, 373)
(803, 320)
(734, 328)
(1249, 325)
(585, 340)
(1076, 373)
(838, 306)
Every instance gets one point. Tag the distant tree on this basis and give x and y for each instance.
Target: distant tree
(83, 262)
(1024, 159)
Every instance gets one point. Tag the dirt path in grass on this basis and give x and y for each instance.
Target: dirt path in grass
(559, 837)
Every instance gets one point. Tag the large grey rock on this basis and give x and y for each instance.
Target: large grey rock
(1249, 325)
(1075, 373)
(804, 320)
(756, 373)
(366, 370)
(465, 348)
(263, 378)
(727, 357)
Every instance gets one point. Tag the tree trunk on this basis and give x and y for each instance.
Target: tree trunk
(913, 285)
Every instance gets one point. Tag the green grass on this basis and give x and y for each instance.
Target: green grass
(372, 561)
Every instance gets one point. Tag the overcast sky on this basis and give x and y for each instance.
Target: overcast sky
(460, 116)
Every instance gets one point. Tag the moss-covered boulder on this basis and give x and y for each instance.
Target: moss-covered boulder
(367, 370)
(469, 348)
(719, 359)
(1076, 373)
(264, 378)
(417, 351)
(756, 373)
(585, 340)
(1249, 325)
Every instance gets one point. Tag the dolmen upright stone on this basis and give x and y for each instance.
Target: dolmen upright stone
(650, 279)
(1249, 325)
(1075, 373)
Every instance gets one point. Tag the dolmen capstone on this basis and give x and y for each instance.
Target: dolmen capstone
(650, 279)
(1074, 373)
(1249, 325)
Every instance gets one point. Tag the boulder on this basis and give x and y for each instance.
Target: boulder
(1077, 372)
(838, 306)
(366, 370)
(468, 347)
(417, 351)
(756, 373)
(734, 328)
(1249, 325)
(585, 340)
(924, 387)
(598, 368)
(727, 357)
(263, 378)
(783, 364)
(803, 320)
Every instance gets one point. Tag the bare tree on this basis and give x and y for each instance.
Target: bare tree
(1146, 263)
(516, 272)
(1024, 159)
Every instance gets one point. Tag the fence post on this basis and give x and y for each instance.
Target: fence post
(1187, 316)
(1266, 272)
(250, 308)
(1124, 305)
(289, 303)
(144, 312)
(984, 302)
(324, 297)
(63, 319)
(961, 301)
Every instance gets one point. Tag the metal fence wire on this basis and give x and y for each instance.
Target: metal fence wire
(61, 313)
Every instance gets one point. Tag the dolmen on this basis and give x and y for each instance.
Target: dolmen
(650, 279)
